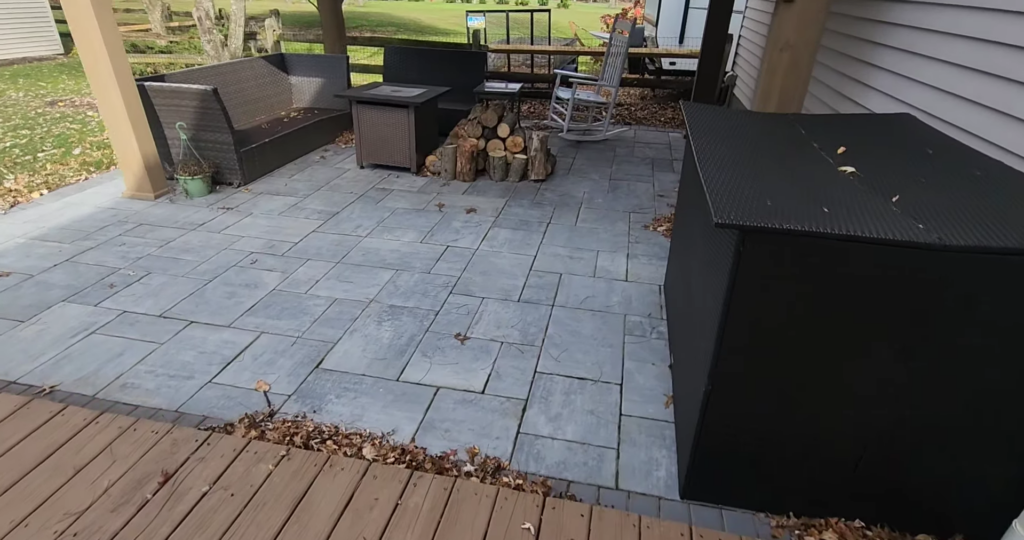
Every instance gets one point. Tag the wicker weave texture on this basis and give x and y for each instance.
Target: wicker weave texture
(250, 87)
(316, 78)
(384, 134)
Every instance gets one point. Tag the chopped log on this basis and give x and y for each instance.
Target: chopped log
(490, 133)
(458, 132)
(448, 162)
(497, 167)
(509, 156)
(508, 123)
(492, 115)
(516, 141)
(481, 161)
(433, 164)
(517, 168)
(481, 143)
(476, 111)
(495, 145)
(465, 160)
(537, 151)
(474, 129)
(551, 162)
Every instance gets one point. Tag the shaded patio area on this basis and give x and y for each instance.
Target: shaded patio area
(353, 292)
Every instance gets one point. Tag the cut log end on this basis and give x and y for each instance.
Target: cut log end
(497, 166)
(517, 168)
(465, 166)
(448, 159)
(537, 150)
(495, 145)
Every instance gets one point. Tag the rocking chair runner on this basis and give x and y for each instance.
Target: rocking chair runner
(597, 108)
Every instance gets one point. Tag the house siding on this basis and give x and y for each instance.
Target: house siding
(27, 29)
(955, 64)
(753, 35)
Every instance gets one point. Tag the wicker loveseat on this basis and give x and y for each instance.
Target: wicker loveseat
(459, 70)
(249, 116)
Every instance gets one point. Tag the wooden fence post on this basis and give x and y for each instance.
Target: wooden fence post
(272, 32)
(476, 39)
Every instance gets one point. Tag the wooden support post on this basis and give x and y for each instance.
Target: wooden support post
(106, 66)
(789, 55)
(714, 47)
(272, 32)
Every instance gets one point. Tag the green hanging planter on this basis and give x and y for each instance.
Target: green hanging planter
(195, 186)
(194, 175)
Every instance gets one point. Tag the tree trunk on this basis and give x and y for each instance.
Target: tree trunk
(236, 29)
(517, 168)
(465, 160)
(538, 154)
(158, 13)
(497, 167)
(492, 115)
(332, 22)
(508, 123)
(213, 42)
(448, 162)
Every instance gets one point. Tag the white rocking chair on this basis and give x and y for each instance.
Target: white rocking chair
(591, 123)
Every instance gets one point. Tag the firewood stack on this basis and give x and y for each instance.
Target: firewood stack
(491, 141)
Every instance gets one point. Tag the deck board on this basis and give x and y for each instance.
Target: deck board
(40, 445)
(375, 500)
(610, 524)
(321, 508)
(468, 512)
(25, 421)
(270, 509)
(10, 403)
(656, 529)
(565, 520)
(513, 510)
(420, 510)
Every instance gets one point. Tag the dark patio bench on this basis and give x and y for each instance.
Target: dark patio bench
(460, 70)
(249, 116)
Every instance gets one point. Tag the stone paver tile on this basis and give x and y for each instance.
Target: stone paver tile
(623, 197)
(229, 402)
(646, 327)
(645, 505)
(163, 265)
(456, 315)
(585, 344)
(223, 221)
(459, 230)
(395, 255)
(6, 325)
(458, 420)
(143, 327)
(707, 517)
(495, 275)
(381, 341)
(266, 203)
(228, 296)
(283, 362)
(647, 350)
(318, 173)
(512, 241)
(574, 410)
(352, 282)
(513, 371)
(528, 210)
(41, 292)
(740, 523)
(565, 214)
(90, 219)
(196, 246)
(335, 321)
(525, 191)
(586, 238)
(218, 264)
(91, 364)
(603, 219)
(611, 265)
(421, 220)
(12, 279)
(585, 493)
(283, 228)
(262, 245)
(563, 459)
(677, 511)
(609, 295)
(412, 289)
(47, 335)
(395, 233)
(510, 322)
(558, 198)
(363, 402)
(566, 260)
(490, 188)
(358, 219)
(453, 262)
(647, 269)
(324, 247)
(152, 232)
(645, 388)
(402, 181)
(441, 360)
(322, 205)
(34, 256)
(173, 373)
(303, 279)
(58, 235)
(658, 247)
(437, 185)
(106, 233)
(540, 288)
(174, 215)
(273, 263)
(520, 224)
(284, 313)
(647, 457)
(356, 181)
(614, 498)
(119, 252)
(406, 199)
(485, 206)
(153, 294)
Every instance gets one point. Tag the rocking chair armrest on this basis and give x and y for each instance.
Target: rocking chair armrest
(588, 82)
(574, 74)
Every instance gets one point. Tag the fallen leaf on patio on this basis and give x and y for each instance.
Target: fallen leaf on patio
(131, 273)
(468, 469)
(283, 453)
(848, 170)
(5, 274)
(205, 489)
(165, 476)
(470, 210)
(896, 198)
(262, 386)
(528, 525)
(472, 452)
(272, 466)
(669, 399)
(246, 190)
(439, 205)
(825, 209)
(461, 338)
(112, 286)
(841, 150)
(45, 389)
(254, 261)
(369, 452)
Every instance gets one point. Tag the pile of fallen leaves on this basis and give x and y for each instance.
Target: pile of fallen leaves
(634, 107)
(302, 432)
(836, 529)
(662, 224)
(346, 140)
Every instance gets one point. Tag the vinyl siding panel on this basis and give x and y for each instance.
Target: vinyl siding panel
(27, 29)
(757, 19)
(956, 64)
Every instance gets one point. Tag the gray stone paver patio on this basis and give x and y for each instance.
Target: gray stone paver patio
(344, 288)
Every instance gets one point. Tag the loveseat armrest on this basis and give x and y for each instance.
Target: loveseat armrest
(316, 78)
(208, 126)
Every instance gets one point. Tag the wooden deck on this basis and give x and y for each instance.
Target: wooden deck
(73, 473)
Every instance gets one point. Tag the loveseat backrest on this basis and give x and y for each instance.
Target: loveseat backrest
(459, 70)
(251, 88)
